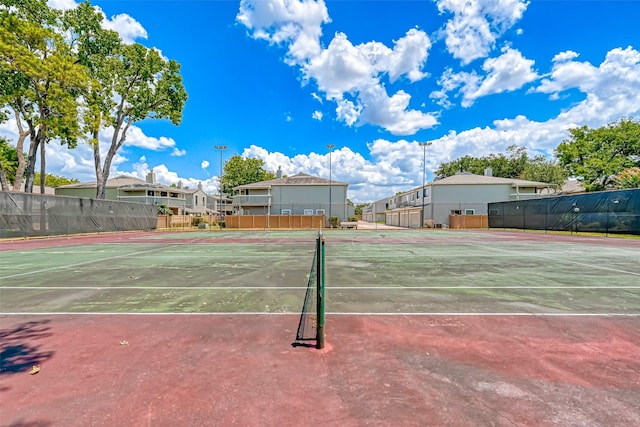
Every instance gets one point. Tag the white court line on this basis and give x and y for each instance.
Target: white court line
(82, 263)
(209, 256)
(329, 313)
(332, 288)
(531, 254)
(142, 288)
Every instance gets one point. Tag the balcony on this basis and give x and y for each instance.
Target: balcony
(172, 202)
(259, 200)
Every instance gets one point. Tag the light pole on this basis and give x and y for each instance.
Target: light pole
(221, 148)
(330, 147)
(424, 146)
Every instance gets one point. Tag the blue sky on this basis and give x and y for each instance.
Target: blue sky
(279, 80)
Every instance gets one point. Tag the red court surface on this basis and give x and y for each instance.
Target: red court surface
(225, 370)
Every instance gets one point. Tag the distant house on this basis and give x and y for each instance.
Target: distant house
(460, 194)
(376, 211)
(300, 194)
(130, 189)
(196, 201)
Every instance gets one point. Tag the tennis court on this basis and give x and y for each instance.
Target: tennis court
(423, 327)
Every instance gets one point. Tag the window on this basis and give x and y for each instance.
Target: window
(469, 211)
(319, 211)
(308, 211)
(425, 192)
(286, 212)
(456, 212)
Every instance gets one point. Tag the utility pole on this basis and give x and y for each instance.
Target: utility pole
(220, 213)
(330, 147)
(424, 146)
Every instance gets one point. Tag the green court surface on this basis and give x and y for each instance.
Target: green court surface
(367, 271)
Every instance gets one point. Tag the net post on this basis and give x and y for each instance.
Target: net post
(320, 291)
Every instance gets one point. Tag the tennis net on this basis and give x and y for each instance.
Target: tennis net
(311, 324)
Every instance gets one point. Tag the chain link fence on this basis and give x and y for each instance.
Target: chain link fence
(28, 215)
(601, 212)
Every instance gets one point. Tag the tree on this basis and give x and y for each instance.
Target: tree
(146, 86)
(359, 207)
(40, 81)
(507, 166)
(130, 83)
(515, 164)
(8, 164)
(241, 171)
(628, 178)
(542, 169)
(595, 156)
(52, 180)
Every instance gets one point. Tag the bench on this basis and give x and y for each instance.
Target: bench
(349, 224)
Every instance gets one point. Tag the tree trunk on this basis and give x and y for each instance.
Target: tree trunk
(31, 164)
(97, 162)
(22, 163)
(102, 173)
(3, 179)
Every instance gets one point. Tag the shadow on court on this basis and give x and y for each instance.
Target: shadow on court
(21, 346)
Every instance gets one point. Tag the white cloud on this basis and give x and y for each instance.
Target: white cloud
(347, 111)
(342, 67)
(392, 113)
(507, 72)
(62, 4)
(204, 164)
(128, 28)
(178, 153)
(317, 115)
(295, 23)
(450, 81)
(476, 25)
(565, 56)
(409, 56)
(137, 138)
(611, 88)
(349, 75)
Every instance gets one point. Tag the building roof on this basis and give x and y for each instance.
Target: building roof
(298, 179)
(125, 182)
(466, 178)
(37, 189)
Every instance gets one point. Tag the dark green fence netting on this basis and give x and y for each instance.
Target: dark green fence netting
(26, 215)
(602, 212)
